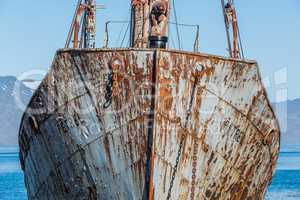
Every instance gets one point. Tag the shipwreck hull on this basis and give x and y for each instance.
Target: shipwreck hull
(108, 124)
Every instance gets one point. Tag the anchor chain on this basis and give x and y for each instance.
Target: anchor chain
(109, 90)
(112, 84)
(194, 170)
(175, 167)
(183, 138)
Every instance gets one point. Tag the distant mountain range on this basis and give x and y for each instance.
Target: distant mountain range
(14, 95)
(11, 111)
(288, 113)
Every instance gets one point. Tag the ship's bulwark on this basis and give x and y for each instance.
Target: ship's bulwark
(107, 124)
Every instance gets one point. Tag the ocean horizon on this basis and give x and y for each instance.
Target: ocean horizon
(285, 184)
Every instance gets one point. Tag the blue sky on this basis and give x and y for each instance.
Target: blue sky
(32, 30)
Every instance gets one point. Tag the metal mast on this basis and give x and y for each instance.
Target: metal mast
(149, 22)
(235, 47)
(82, 32)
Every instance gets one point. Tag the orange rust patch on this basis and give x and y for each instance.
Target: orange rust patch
(152, 188)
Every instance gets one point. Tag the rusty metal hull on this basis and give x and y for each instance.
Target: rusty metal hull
(108, 124)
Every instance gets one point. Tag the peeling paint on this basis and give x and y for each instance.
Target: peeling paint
(73, 147)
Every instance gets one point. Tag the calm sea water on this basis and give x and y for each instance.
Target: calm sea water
(285, 186)
(286, 183)
(11, 178)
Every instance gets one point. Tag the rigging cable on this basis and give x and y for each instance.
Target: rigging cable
(177, 27)
(127, 28)
(227, 23)
(172, 39)
(196, 42)
(240, 39)
(124, 37)
(241, 44)
(107, 36)
(72, 25)
(118, 40)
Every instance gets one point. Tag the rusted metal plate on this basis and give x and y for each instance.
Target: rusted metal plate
(231, 139)
(107, 124)
(89, 144)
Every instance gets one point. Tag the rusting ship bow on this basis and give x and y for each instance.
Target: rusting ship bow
(148, 122)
